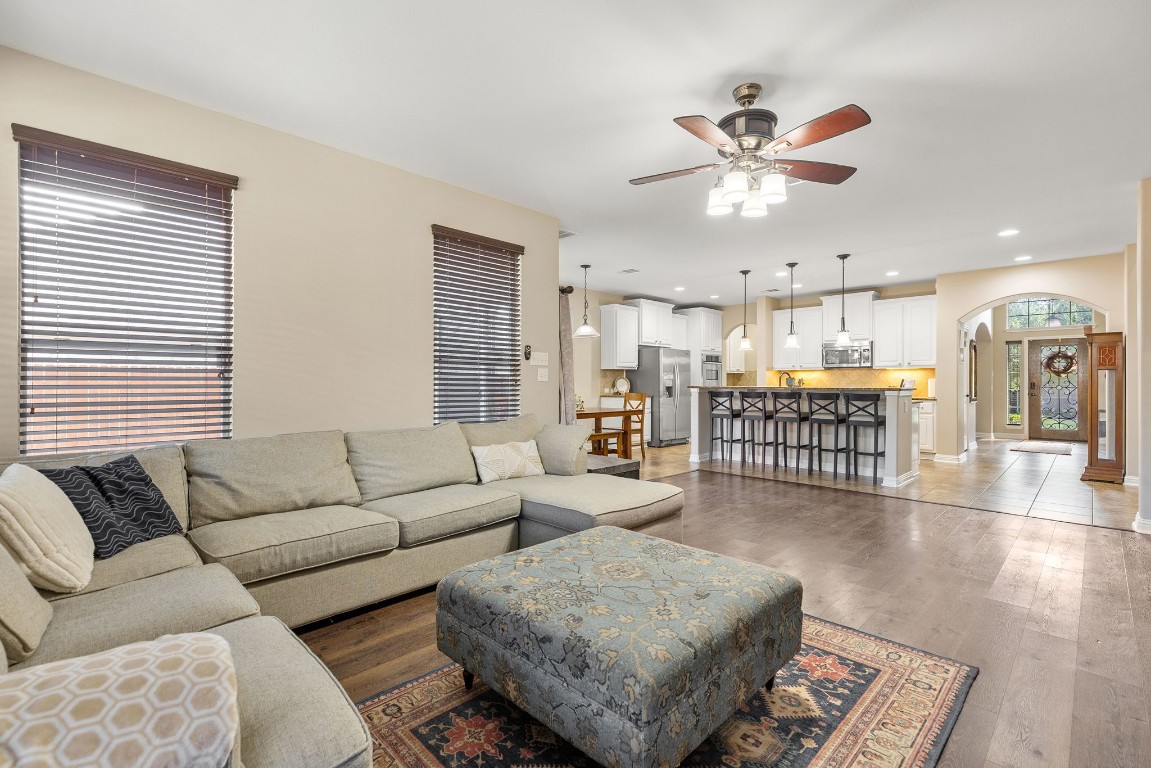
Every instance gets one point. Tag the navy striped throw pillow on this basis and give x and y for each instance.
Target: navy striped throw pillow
(119, 503)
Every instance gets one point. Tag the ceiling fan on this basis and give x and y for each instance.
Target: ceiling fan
(746, 141)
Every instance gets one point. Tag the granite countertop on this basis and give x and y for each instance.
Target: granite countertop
(805, 388)
(924, 399)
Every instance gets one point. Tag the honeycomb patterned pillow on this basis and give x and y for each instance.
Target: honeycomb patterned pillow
(507, 460)
(168, 702)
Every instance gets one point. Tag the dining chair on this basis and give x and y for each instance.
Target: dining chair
(637, 403)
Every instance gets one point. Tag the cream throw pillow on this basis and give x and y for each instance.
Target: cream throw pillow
(43, 531)
(507, 460)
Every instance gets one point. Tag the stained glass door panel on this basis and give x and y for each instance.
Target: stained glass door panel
(1056, 371)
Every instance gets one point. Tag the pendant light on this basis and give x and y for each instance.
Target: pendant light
(744, 341)
(585, 331)
(792, 341)
(843, 338)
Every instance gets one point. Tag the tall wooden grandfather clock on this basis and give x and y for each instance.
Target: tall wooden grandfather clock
(1105, 407)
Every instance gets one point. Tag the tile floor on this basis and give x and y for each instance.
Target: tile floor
(994, 478)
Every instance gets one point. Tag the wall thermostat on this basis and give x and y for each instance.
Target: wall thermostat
(527, 352)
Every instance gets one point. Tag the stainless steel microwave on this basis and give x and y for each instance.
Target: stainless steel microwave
(847, 357)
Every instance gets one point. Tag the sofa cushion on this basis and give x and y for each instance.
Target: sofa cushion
(165, 465)
(579, 502)
(234, 479)
(515, 430)
(271, 545)
(118, 502)
(390, 462)
(187, 600)
(507, 460)
(170, 702)
(148, 558)
(293, 713)
(562, 448)
(43, 531)
(24, 615)
(441, 512)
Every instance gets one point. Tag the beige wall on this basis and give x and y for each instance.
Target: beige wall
(586, 351)
(333, 267)
(1095, 280)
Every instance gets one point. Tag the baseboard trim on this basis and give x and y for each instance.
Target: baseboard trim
(1141, 526)
(902, 480)
(974, 445)
(945, 458)
(984, 435)
(1131, 480)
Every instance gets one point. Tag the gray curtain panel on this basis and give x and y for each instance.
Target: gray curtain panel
(567, 362)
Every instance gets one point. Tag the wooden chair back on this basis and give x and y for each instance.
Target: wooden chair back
(637, 402)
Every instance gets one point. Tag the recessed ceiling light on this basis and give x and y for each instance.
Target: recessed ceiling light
(893, 273)
(797, 285)
(680, 288)
(1023, 258)
(1009, 233)
(781, 274)
(714, 296)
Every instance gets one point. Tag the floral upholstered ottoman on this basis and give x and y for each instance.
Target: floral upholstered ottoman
(632, 648)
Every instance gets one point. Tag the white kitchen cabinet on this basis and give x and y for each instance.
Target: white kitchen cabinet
(856, 312)
(904, 333)
(704, 337)
(654, 322)
(619, 337)
(927, 426)
(736, 359)
(711, 335)
(678, 336)
(809, 328)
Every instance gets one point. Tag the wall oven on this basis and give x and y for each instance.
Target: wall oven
(847, 357)
(712, 371)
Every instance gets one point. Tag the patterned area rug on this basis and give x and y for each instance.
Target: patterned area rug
(847, 699)
(1039, 446)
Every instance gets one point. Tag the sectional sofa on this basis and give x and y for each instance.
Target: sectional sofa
(283, 531)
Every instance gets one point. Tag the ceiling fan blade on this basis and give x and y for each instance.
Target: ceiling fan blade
(824, 173)
(676, 174)
(702, 128)
(829, 126)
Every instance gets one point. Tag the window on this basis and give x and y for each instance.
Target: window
(476, 293)
(125, 297)
(1014, 383)
(1039, 312)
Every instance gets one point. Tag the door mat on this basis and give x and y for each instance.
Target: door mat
(847, 699)
(1040, 446)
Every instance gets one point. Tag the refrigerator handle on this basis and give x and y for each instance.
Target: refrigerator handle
(676, 369)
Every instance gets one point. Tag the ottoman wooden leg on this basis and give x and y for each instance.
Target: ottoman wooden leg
(470, 679)
(770, 683)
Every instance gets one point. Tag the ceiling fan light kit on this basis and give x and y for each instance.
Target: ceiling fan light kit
(755, 205)
(715, 204)
(746, 141)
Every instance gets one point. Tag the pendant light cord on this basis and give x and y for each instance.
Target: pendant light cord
(791, 282)
(585, 268)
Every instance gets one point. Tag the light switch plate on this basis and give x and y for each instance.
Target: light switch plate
(541, 358)
(542, 374)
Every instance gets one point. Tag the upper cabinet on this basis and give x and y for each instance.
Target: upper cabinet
(904, 333)
(704, 329)
(735, 360)
(619, 337)
(809, 328)
(655, 323)
(857, 308)
(678, 336)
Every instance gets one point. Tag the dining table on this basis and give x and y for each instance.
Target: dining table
(599, 413)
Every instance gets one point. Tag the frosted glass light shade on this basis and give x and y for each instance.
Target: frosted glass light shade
(754, 206)
(715, 204)
(773, 188)
(745, 344)
(792, 341)
(843, 339)
(585, 331)
(735, 187)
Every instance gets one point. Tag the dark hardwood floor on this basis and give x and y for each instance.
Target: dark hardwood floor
(1057, 616)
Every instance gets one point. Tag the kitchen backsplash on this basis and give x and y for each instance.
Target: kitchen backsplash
(746, 379)
(607, 379)
(859, 377)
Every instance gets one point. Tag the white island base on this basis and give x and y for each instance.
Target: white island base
(899, 465)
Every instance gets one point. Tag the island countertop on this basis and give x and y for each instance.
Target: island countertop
(806, 389)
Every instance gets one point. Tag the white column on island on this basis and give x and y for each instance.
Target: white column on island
(1142, 334)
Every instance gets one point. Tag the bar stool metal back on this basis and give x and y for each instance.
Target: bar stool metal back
(823, 410)
(723, 416)
(754, 415)
(787, 408)
(862, 410)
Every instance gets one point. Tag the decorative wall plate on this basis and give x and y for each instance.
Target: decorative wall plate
(622, 385)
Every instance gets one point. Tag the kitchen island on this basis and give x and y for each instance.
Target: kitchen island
(898, 467)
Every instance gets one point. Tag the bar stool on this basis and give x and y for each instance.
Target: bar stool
(787, 408)
(863, 411)
(753, 418)
(723, 414)
(823, 410)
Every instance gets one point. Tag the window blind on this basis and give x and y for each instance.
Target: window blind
(476, 296)
(125, 298)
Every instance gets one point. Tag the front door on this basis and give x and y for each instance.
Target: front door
(1056, 393)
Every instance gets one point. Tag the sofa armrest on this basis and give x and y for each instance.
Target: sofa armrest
(562, 449)
(170, 701)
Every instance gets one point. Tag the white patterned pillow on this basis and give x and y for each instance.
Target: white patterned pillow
(44, 532)
(507, 460)
(169, 702)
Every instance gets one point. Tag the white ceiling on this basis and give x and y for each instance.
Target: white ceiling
(987, 114)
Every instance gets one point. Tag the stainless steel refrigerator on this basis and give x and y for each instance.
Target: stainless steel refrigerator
(664, 375)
